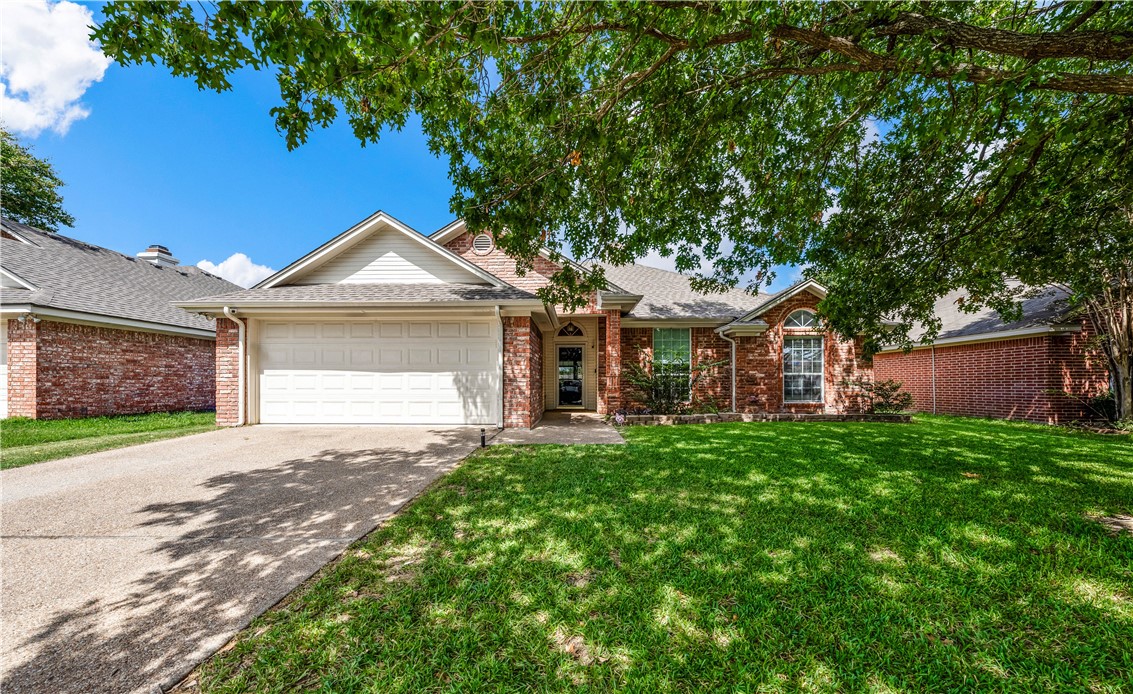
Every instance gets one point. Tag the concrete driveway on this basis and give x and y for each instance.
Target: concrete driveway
(123, 569)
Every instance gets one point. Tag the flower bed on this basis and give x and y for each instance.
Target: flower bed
(668, 419)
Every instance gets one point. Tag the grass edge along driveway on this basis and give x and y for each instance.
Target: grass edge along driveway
(27, 441)
(945, 555)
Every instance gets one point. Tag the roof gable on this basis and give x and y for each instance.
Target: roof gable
(794, 290)
(380, 250)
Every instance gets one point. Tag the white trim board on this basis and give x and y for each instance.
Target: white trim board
(94, 319)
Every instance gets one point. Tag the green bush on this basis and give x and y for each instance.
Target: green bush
(881, 397)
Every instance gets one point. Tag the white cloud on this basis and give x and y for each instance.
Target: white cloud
(238, 269)
(46, 64)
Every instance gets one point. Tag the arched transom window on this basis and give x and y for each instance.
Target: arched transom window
(801, 319)
(570, 330)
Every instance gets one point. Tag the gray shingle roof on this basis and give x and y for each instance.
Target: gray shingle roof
(369, 293)
(1042, 306)
(668, 294)
(77, 276)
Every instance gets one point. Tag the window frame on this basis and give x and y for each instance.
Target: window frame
(658, 355)
(807, 311)
(821, 370)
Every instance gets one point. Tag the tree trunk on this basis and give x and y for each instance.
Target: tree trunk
(1123, 386)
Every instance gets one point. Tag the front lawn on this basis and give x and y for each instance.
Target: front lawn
(945, 555)
(27, 441)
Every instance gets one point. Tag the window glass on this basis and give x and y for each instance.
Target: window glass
(672, 359)
(801, 319)
(802, 369)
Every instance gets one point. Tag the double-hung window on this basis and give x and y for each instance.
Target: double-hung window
(672, 361)
(802, 369)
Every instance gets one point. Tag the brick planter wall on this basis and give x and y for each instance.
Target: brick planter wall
(1005, 379)
(58, 370)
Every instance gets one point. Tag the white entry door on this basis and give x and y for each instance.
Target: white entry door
(379, 372)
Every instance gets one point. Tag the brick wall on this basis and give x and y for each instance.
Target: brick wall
(759, 364)
(502, 265)
(610, 382)
(227, 373)
(522, 402)
(22, 368)
(1006, 379)
(59, 370)
(538, 401)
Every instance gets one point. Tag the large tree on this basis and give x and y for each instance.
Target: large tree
(898, 150)
(29, 187)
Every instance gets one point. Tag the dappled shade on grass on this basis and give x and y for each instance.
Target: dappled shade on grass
(947, 554)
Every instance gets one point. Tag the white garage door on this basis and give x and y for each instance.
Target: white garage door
(379, 372)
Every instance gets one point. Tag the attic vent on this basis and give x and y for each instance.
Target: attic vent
(482, 244)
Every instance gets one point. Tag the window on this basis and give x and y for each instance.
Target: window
(802, 369)
(672, 359)
(570, 330)
(800, 319)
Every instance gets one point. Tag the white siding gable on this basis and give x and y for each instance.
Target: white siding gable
(389, 257)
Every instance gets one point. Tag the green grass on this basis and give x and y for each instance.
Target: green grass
(27, 441)
(946, 555)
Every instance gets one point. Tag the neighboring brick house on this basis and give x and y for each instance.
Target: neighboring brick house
(982, 366)
(88, 331)
(382, 324)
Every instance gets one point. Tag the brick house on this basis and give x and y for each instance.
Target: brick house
(982, 366)
(382, 324)
(89, 331)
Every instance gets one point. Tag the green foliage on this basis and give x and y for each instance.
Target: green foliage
(667, 386)
(883, 397)
(728, 132)
(945, 555)
(29, 187)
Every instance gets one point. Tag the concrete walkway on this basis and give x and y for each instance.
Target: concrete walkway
(563, 427)
(123, 569)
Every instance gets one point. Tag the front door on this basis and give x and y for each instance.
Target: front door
(570, 376)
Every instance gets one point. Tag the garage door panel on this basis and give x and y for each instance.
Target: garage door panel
(429, 372)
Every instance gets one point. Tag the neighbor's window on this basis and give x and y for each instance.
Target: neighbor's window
(800, 319)
(672, 359)
(802, 369)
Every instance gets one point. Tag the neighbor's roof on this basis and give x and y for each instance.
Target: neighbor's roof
(667, 295)
(73, 275)
(366, 293)
(1041, 307)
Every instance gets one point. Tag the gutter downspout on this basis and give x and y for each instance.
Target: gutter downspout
(934, 379)
(500, 368)
(230, 314)
(733, 365)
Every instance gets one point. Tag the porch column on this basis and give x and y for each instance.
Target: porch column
(610, 399)
(227, 373)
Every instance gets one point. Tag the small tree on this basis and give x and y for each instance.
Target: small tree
(29, 187)
(882, 397)
(667, 387)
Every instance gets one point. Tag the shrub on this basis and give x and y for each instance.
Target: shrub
(881, 397)
(666, 388)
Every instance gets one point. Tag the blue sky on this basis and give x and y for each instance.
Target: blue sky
(154, 160)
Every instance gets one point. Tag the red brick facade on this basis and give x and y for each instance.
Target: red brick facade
(1008, 379)
(523, 373)
(759, 367)
(58, 370)
(502, 265)
(228, 373)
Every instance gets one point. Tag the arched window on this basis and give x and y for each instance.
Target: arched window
(801, 319)
(570, 330)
